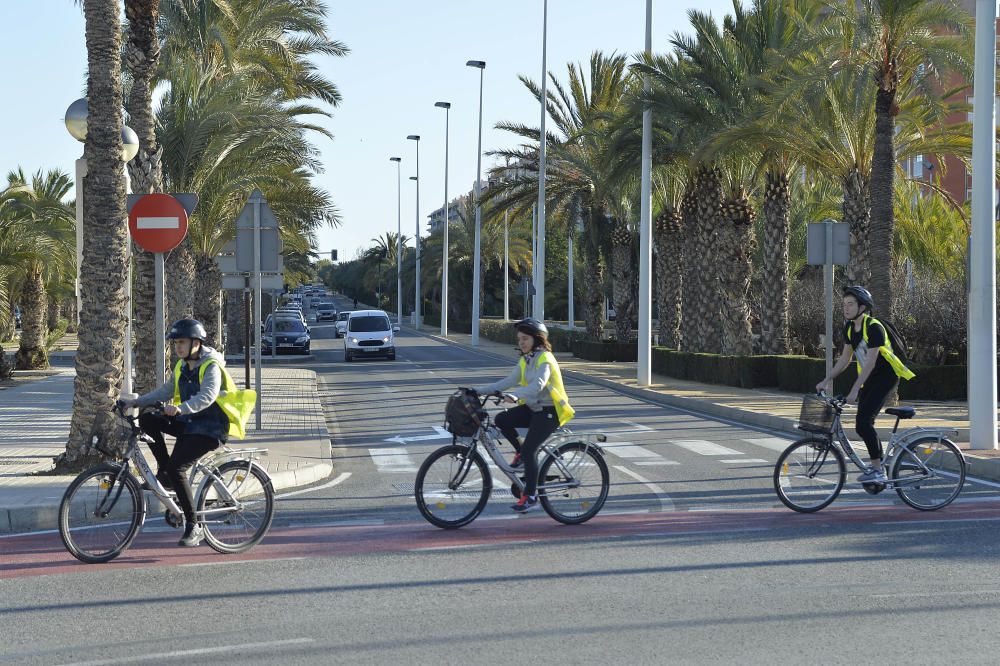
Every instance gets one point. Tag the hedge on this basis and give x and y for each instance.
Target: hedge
(592, 350)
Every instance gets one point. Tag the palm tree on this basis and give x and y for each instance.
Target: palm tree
(906, 47)
(100, 359)
(49, 254)
(579, 165)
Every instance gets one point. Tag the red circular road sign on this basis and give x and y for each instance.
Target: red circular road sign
(158, 222)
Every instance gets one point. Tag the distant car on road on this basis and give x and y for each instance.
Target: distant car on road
(287, 334)
(326, 311)
(341, 323)
(369, 333)
(17, 316)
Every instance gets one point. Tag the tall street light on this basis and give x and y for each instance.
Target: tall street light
(444, 240)
(76, 125)
(481, 66)
(539, 310)
(982, 317)
(399, 241)
(643, 366)
(416, 236)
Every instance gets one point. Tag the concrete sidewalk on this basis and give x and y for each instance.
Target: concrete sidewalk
(35, 414)
(766, 408)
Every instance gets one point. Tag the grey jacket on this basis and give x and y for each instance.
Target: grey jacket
(203, 399)
(536, 394)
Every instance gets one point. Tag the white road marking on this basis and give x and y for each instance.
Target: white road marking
(637, 426)
(177, 654)
(395, 460)
(329, 484)
(703, 447)
(630, 451)
(439, 433)
(666, 504)
(778, 444)
(746, 460)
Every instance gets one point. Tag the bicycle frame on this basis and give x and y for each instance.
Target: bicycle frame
(897, 441)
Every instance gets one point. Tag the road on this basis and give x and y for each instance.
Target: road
(692, 560)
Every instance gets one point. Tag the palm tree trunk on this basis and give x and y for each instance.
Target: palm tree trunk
(708, 218)
(179, 279)
(593, 282)
(623, 274)
(736, 249)
(857, 214)
(142, 53)
(883, 173)
(234, 321)
(774, 292)
(100, 358)
(208, 298)
(669, 242)
(31, 353)
(691, 277)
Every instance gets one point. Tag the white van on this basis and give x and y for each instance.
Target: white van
(369, 333)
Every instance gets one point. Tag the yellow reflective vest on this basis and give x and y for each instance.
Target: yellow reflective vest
(236, 404)
(885, 350)
(556, 390)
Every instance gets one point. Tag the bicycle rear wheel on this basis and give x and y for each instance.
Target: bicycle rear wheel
(584, 471)
(99, 517)
(452, 486)
(809, 474)
(237, 518)
(928, 473)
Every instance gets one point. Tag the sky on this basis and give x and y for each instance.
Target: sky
(405, 56)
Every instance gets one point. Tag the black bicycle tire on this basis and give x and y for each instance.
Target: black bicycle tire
(484, 497)
(963, 469)
(602, 465)
(138, 514)
(842, 477)
(262, 530)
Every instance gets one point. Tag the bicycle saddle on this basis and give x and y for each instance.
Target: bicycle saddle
(902, 412)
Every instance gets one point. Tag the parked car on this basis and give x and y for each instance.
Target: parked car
(290, 335)
(341, 323)
(369, 333)
(17, 316)
(326, 311)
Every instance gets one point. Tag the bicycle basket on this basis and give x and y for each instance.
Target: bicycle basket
(463, 414)
(817, 415)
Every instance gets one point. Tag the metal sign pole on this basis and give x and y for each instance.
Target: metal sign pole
(828, 288)
(246, 331)
(256, 299)
(161, 343)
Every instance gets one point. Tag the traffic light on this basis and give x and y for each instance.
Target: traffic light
(333, 255)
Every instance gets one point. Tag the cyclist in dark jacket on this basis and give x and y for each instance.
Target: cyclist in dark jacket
(192, 416)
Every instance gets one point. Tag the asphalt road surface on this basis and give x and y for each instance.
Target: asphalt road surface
(692, 560)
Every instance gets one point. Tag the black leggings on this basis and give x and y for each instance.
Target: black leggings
(187, 450)
(540, 425)
(871, 398)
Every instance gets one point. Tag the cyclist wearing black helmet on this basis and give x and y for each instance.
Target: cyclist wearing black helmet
(879, 371)
(191, 416)
(536, 384)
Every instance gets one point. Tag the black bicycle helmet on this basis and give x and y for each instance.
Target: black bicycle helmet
(188, 328)
(532, 326)
(861, 295)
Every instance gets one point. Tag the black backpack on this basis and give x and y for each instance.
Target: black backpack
(896, 339)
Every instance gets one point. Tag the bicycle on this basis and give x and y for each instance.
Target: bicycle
(454, 483)
(104, 508)
(925, 468)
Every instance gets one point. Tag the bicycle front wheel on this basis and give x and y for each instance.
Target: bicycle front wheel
(452, 487)
(100, 514)
(928, 473)
(237, 508)
(809, 474)
(573, 483)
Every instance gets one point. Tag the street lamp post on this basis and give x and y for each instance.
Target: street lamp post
(76, 125)
(481, 66)
(444, 237)
(643, 365)
(399, 242)
(416, 236)
(539, 309)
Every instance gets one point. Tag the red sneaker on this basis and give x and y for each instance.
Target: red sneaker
(516, 462)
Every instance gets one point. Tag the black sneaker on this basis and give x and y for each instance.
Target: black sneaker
(525, 504)
(193, 536)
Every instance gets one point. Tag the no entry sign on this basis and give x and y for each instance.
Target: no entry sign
(158, 222)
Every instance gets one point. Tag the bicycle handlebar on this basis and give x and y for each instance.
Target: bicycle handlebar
(498, 397)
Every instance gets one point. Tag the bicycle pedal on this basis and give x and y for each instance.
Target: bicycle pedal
(873, 488)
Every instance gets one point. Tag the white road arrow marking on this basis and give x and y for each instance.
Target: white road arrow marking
(441, 433)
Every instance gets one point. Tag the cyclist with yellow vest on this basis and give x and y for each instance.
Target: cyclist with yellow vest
(536, 385)
(192, 416)
(879, 370)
